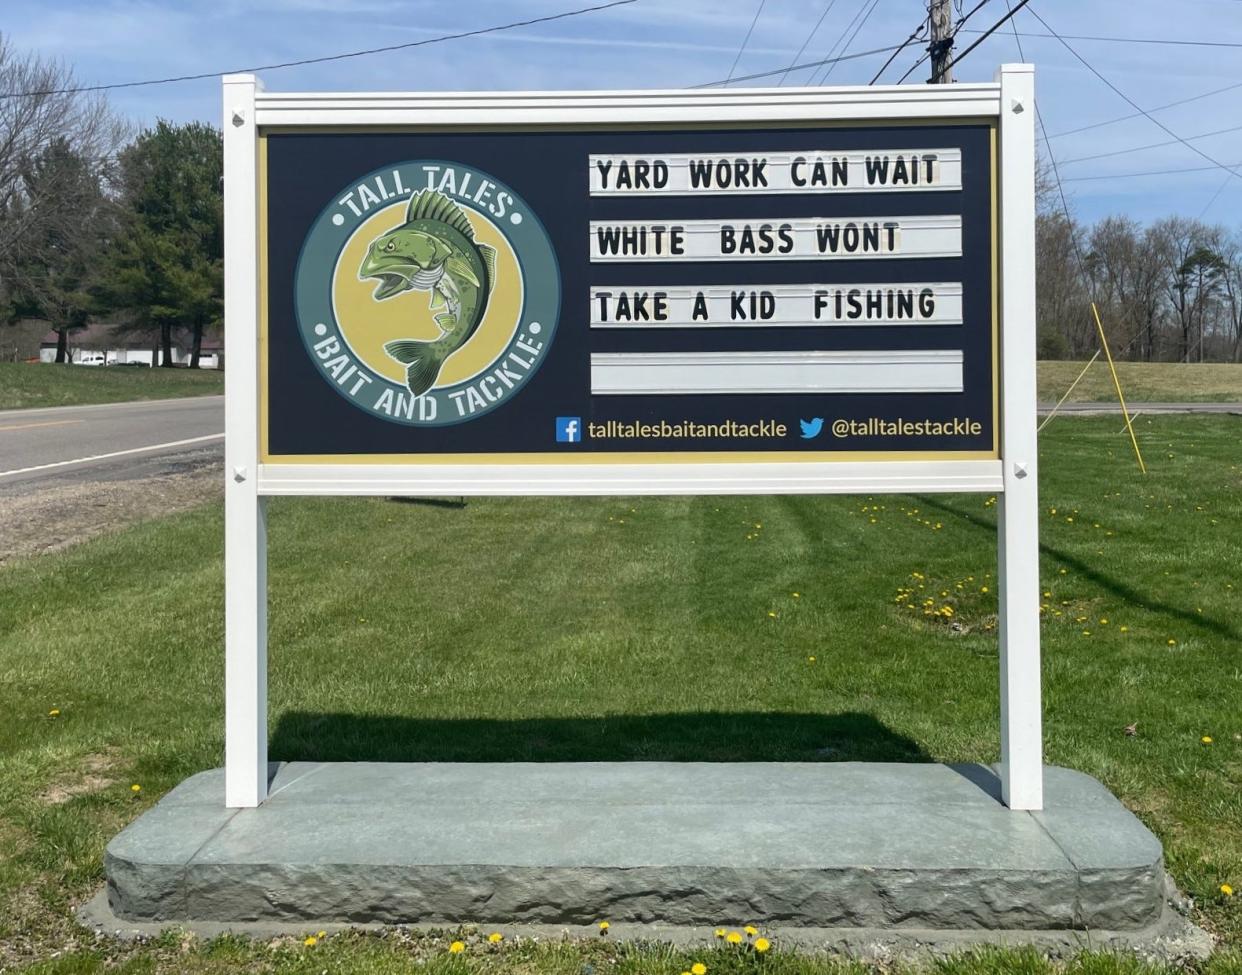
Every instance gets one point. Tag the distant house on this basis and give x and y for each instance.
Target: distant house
(102, 344)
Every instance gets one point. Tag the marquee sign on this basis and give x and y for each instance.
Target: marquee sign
(668, 292)
(815, 291)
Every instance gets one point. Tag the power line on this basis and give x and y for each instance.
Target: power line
(1158, 108)
(800, 67)
(814, 31)
(1133, 104)
(1056, 172)
(834, 49)
(914, 67)
(326, 58)
(1158, 172)
(861, 24)
(962, 22)
(919, 30)
(1133, 40)
(745, 40)
(986, 34)
(1150, 145)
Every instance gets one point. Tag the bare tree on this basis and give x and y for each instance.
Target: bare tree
(1061, 295)
(38, 110)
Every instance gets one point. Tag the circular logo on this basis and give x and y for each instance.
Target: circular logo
(427, 293)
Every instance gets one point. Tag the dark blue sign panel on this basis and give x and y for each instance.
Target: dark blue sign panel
(811, 293)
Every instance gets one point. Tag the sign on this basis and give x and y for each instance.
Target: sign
(735, 291)
(812, 292)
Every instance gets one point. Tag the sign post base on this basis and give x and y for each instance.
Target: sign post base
(849, 844)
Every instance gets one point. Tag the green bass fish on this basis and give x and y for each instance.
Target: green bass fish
(434, 250)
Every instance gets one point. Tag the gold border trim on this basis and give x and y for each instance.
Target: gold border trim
(621, 457)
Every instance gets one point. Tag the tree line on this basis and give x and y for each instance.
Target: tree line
(1170, 291)
(99, 223)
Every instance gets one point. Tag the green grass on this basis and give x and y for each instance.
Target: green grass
(1143, 382)
(615, 629)
(31, 384)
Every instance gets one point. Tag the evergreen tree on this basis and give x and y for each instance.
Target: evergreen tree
(167, 267)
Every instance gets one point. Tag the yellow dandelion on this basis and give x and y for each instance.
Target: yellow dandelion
(698, 968)
(54, 713)
(797, 595)
(135, 788)
(1104, 621)
(720, 932)
(457, 947)
(762, 945)
(322, 934)
(1206, 739)
(983, 588)
(810, 660)
(311, 941)
(1172, 642)
(603, 927)
(495, 937)
(1226, 890)
(771, 614)
(1124, 629)
(733, 938)
(751, 930)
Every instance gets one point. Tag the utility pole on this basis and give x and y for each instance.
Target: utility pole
(940, 16)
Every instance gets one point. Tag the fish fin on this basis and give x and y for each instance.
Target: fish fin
(430, 205)
(405, 351)
(462, 268)
(489, 261)
(420, 376)
(421, 362)
(447, 321)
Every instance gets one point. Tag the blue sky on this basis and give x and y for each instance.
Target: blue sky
(675, 43)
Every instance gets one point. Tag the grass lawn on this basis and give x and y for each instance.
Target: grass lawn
(614, 629)
(30, 384)
(1143, 382)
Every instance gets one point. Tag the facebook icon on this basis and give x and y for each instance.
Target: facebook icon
(568, 429)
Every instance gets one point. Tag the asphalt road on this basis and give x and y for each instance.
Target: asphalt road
(70, 442)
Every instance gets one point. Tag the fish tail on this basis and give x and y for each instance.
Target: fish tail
(422, 361)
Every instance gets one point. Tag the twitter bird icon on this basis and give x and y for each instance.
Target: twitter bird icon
(811, 428)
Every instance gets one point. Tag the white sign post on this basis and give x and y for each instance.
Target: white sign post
(995, 453)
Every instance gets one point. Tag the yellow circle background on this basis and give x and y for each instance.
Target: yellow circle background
(366, 324)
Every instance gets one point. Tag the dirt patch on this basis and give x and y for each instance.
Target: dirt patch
(59, 515)
(93, 777)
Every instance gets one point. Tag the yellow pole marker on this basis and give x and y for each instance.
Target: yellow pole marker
(1048, 418)
(1117, 383)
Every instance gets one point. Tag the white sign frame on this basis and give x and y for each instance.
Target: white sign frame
(1008, 102)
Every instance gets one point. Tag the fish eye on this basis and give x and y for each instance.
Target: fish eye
(390, 246)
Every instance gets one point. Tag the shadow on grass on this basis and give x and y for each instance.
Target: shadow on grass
(1104, 581)
(430, 502)
(689, 737)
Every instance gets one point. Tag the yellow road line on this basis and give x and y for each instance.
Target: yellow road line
(45, 423)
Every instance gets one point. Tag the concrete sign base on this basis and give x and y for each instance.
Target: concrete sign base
(915, 846)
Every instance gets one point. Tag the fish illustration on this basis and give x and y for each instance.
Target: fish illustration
(434, 250)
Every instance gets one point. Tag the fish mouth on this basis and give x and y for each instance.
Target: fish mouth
(396, 278)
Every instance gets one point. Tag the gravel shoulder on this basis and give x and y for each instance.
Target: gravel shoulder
(49, 515)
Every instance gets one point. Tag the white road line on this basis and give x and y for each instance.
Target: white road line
(115, 453)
